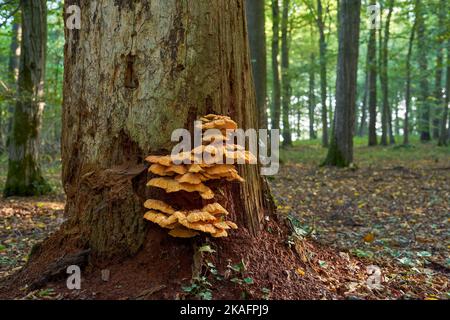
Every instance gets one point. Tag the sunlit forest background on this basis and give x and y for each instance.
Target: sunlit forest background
(302, 73)
(393, 201)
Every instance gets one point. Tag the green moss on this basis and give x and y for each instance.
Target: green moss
(25, 179)
(335, 157)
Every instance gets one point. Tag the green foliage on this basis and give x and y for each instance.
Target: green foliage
(200, 287)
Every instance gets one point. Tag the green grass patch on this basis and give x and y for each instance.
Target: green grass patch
(312, 153)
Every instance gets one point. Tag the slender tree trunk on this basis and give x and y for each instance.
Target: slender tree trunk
(323, 72)
(438, 90)
(397, 116)
(340, 152)
(257, 38)
(363, 121)
(312, 97)
(386, 116)
(422, 100)
(24, 175)
(372, 85)
(443, 136)
(276, 94)
(131, 77)
(408, 85)
(285, 76)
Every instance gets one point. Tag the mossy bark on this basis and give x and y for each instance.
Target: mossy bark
(24, 175)
(136, 71)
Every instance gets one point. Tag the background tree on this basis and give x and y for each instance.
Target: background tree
(439, 70)
(372, 84)
(285, 75)
(257, 38)
(408, 85)
(312, 97)
(340, 152)
(276, 91)
(423, 97)
(443, 134)
(386, 123)
(24, 174)
(323, 72)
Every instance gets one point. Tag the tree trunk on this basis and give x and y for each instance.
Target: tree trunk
(443, 135)
(408, 85)
(323, 72)
(24, 175)
(276, 94)
(340, 152)
(285, 77)
(422, 99)
(372, 85)
(386, 123)
(135, 72)
(257, 39)
(312, 98)
(13, 72)
(438, 95)
(363, 121)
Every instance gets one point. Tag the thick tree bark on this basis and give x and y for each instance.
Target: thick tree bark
(285, 76)
(135, 72)
(422, 99)
(372, 85)
(312, 97)
(257, 38)
(408, 85)
(323, 72)
(340, 152)
(24, 175)
(276, 85)
(386, 123)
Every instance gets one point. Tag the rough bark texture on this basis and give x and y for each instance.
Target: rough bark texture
(422, 99)
(24, 175)
(285, 76)
(323, 72)
(408, 85)
(257, 38)
(340, 152)
(135, 72)
(276, 85)
(372, 86)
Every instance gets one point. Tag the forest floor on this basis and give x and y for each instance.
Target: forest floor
(392, 211)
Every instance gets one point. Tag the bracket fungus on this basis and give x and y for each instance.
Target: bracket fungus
(192, 176)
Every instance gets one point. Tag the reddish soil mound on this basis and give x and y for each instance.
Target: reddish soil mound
(270, 268)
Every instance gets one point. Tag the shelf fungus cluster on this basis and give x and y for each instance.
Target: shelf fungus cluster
(189, 172)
